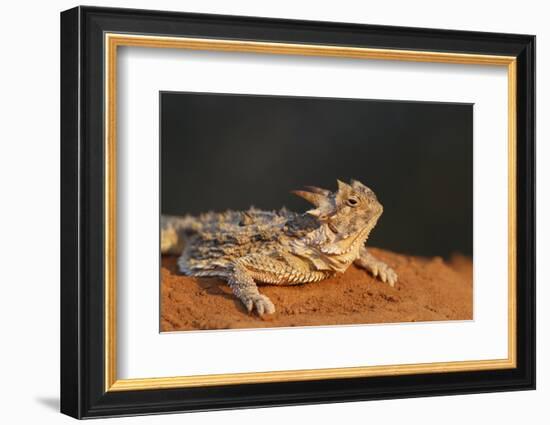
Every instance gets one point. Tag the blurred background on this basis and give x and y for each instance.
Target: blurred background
(222, 151)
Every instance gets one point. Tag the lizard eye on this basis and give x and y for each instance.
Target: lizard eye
(352, 202)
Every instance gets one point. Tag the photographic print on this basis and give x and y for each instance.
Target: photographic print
(343, 190)
(284, 211)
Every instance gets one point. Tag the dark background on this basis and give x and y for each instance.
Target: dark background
(221, 151)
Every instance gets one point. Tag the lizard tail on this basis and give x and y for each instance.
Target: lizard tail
(172, 233)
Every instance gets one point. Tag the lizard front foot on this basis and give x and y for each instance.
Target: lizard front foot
(259, 302)
(377, 268)
(384, 272)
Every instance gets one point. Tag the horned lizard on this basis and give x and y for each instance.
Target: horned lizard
(279, 247)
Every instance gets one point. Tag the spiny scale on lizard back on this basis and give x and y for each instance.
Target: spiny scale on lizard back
(212, 241)
(242, 227)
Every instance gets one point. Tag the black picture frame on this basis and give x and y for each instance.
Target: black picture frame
(83, 392)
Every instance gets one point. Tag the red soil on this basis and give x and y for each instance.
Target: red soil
(427, 290)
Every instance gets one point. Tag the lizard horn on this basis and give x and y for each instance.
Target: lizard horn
(344, 187)
(356, 183)
(314, 198)
(315, 213)
(318, 190)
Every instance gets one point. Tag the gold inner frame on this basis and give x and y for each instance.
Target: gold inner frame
(113, 41)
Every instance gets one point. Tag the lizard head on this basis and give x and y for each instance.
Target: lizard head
(348, 214)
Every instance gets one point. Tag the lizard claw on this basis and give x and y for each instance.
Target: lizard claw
(389, 276)
(261, 303)
(381, 271)
(374, 271)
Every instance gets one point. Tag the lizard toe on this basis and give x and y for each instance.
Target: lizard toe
(374, 271)
(388, 275)
(264, 305)
(392, 277)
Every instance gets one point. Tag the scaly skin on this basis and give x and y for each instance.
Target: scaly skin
(279, 247)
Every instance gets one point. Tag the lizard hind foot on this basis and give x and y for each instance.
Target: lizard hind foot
(245, 289)
(260, 303)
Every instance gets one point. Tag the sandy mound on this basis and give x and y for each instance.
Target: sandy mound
(428, 290)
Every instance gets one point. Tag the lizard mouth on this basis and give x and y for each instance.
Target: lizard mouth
(333, 228)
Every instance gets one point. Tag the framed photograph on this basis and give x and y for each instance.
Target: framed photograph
(261, 212)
